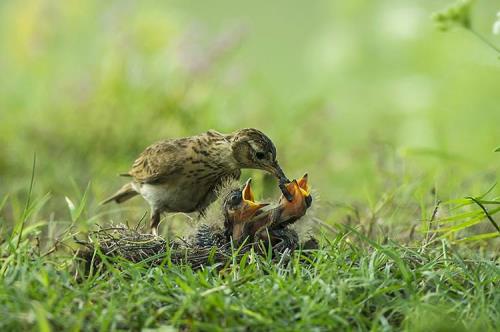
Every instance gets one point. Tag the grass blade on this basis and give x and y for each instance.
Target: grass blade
(479, 237)
(490, 218)
(26, 208)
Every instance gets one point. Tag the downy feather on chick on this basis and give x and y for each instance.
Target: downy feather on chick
(235, 215)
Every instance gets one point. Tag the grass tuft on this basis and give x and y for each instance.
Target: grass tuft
(351, 282)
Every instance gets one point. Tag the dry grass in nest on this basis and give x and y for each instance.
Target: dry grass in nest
(134, 246)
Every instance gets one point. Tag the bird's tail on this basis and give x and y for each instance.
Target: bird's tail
(125, 193)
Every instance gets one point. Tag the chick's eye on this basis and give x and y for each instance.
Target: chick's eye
(260, 155)
(235, 199)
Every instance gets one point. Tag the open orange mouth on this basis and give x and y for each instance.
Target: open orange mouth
(250, 207)
(301, 199)
(299, 189)
(250, 220)
(303, 186)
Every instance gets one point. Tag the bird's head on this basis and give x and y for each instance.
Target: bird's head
(291, 210)
(240, 208)
(253, 149)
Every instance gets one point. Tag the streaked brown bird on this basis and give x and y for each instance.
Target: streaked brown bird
(182, 175)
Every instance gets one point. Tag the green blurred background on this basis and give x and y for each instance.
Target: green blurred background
(367, 96)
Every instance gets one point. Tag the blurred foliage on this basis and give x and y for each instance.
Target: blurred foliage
(458, 14)
(383, 111)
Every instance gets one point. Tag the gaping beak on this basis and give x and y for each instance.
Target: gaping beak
(250, 207)
(301, 200)
(244, 216)
(299, 189)
(304, 189)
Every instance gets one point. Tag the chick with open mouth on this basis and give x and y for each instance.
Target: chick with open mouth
(276, 231)
(243, 213)
(232, 219)
(249, 221)
(289, 211)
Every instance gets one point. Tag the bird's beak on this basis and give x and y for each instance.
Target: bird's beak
(250, 207)
(276, 170)
(299, 189)
(301, 199)
(304, 189)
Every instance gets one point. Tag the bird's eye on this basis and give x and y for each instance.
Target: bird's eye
(260, 155)
(235, 198)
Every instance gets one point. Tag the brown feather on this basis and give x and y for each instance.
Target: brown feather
(125, 193)
(182, 175)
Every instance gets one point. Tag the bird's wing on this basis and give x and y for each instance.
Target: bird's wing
(158, 162)
(213, 133)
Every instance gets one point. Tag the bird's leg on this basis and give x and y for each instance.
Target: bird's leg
(155, 221)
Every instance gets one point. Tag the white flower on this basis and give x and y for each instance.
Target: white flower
(496, 25)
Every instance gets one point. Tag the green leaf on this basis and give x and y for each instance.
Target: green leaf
(456, 15)
(71, 206)
(41, 317)
(458, 227)
(479, 237)
(486, 213)
(460, 216)
(4, 200)
(403, 268)
(76, 211)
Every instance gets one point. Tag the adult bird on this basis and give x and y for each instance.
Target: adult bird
(182, 175)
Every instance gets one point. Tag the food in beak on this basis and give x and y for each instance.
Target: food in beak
(284, 191)
(299, 189)
(283, 180)
(251, 221)
(301, 199)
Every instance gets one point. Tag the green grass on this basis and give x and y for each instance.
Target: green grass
(351, 283)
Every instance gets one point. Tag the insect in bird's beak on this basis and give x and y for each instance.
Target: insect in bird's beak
(301, 199)
(299, 190)
(283, 180)
(284, 190)
(250, 207)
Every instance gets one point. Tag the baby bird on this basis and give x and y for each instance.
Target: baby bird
(288, 211)
(229, 218)
(182, 175)
(276, 231)
(237, 217)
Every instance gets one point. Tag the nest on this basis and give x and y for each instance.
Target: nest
(124, 243)
(132, 245)
(213, 243)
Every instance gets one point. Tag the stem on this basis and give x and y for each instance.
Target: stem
(490, 218)
(28, 201)
(484, 40)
